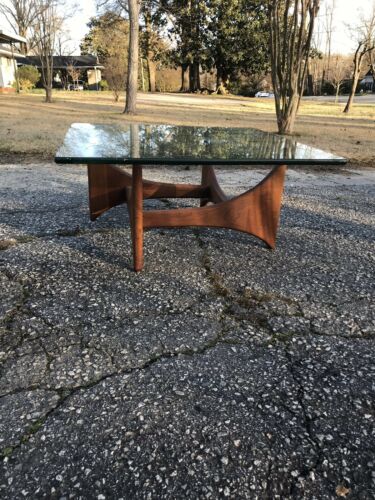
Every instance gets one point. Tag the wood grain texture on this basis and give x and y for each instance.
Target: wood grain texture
(137, 218)
(209, 181)
(256, 212)
(108, 186)
(106, 189)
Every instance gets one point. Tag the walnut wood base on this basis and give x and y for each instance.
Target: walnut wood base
(256, 212)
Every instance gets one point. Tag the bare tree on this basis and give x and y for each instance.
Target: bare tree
(21, 15)
(64, 45)
(73, 72)
(45, 29)
(291, 25)
(340, 71)
(329, 15)
(365, 37)
(115, 73)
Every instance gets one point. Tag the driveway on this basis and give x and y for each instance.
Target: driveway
(358, 99)
(205, 100)
(224, 370)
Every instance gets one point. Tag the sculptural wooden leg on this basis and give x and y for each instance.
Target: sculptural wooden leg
(136, 217)
(256, 212)
(209, 181)
(108, 186)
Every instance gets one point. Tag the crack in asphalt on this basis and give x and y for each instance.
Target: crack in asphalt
(44, 211)
(303, 417)
(191, 352)
(231, 299)
(68, 393)
(61, 233)
(307, 421)
(10, 317)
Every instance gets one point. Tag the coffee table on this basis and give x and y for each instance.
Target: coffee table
(257, 211)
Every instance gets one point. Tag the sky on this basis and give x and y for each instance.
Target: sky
(347, 12)
(78, 24)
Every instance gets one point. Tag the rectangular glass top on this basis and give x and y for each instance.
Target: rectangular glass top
(152, 144)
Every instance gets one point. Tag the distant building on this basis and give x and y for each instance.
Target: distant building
(88, 67)
(368, 83)
(9, 58)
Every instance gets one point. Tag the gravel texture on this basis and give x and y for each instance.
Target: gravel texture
(223, 370)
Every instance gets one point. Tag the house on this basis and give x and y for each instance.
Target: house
(9, 57)
(368, 83)
(87, 66)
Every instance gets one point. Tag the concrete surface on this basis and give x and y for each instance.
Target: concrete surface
(223, 370)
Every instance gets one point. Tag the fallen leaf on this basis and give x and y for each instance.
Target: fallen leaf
(342, 491)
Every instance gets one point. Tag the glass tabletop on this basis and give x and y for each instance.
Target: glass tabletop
(152, 144)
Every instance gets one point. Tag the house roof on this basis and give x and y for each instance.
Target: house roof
(8, 38)
(368, 78)
(5, 52)
(61, 62)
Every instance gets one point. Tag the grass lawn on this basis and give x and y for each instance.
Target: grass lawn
(31, 127)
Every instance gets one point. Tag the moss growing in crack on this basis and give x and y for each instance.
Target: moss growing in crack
(26, 239)
(265, 297)
(33, 429)
(69, 232)
(218, 285)
(215, 279)
(7, 452)
(285, 338)
(11, 315)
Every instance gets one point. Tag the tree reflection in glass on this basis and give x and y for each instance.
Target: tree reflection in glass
(150, 143)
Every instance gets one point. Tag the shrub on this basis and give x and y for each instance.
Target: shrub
(29, 73)
(25, 84)
(103, 84)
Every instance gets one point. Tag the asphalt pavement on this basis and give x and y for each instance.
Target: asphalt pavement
(223, 370)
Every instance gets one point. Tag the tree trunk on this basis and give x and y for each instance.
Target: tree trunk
(310, 85)
(151, 67)
(286, 119)
(48, 94)
(222, 82)
(47, 75)
(352, 92)
(322, 81)
(132, 80)
(337, 92)
(185, 79)
(23, 46)
(356, 73)
(195, 83)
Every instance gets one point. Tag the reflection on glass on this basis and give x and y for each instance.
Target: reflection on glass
(170, 143)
